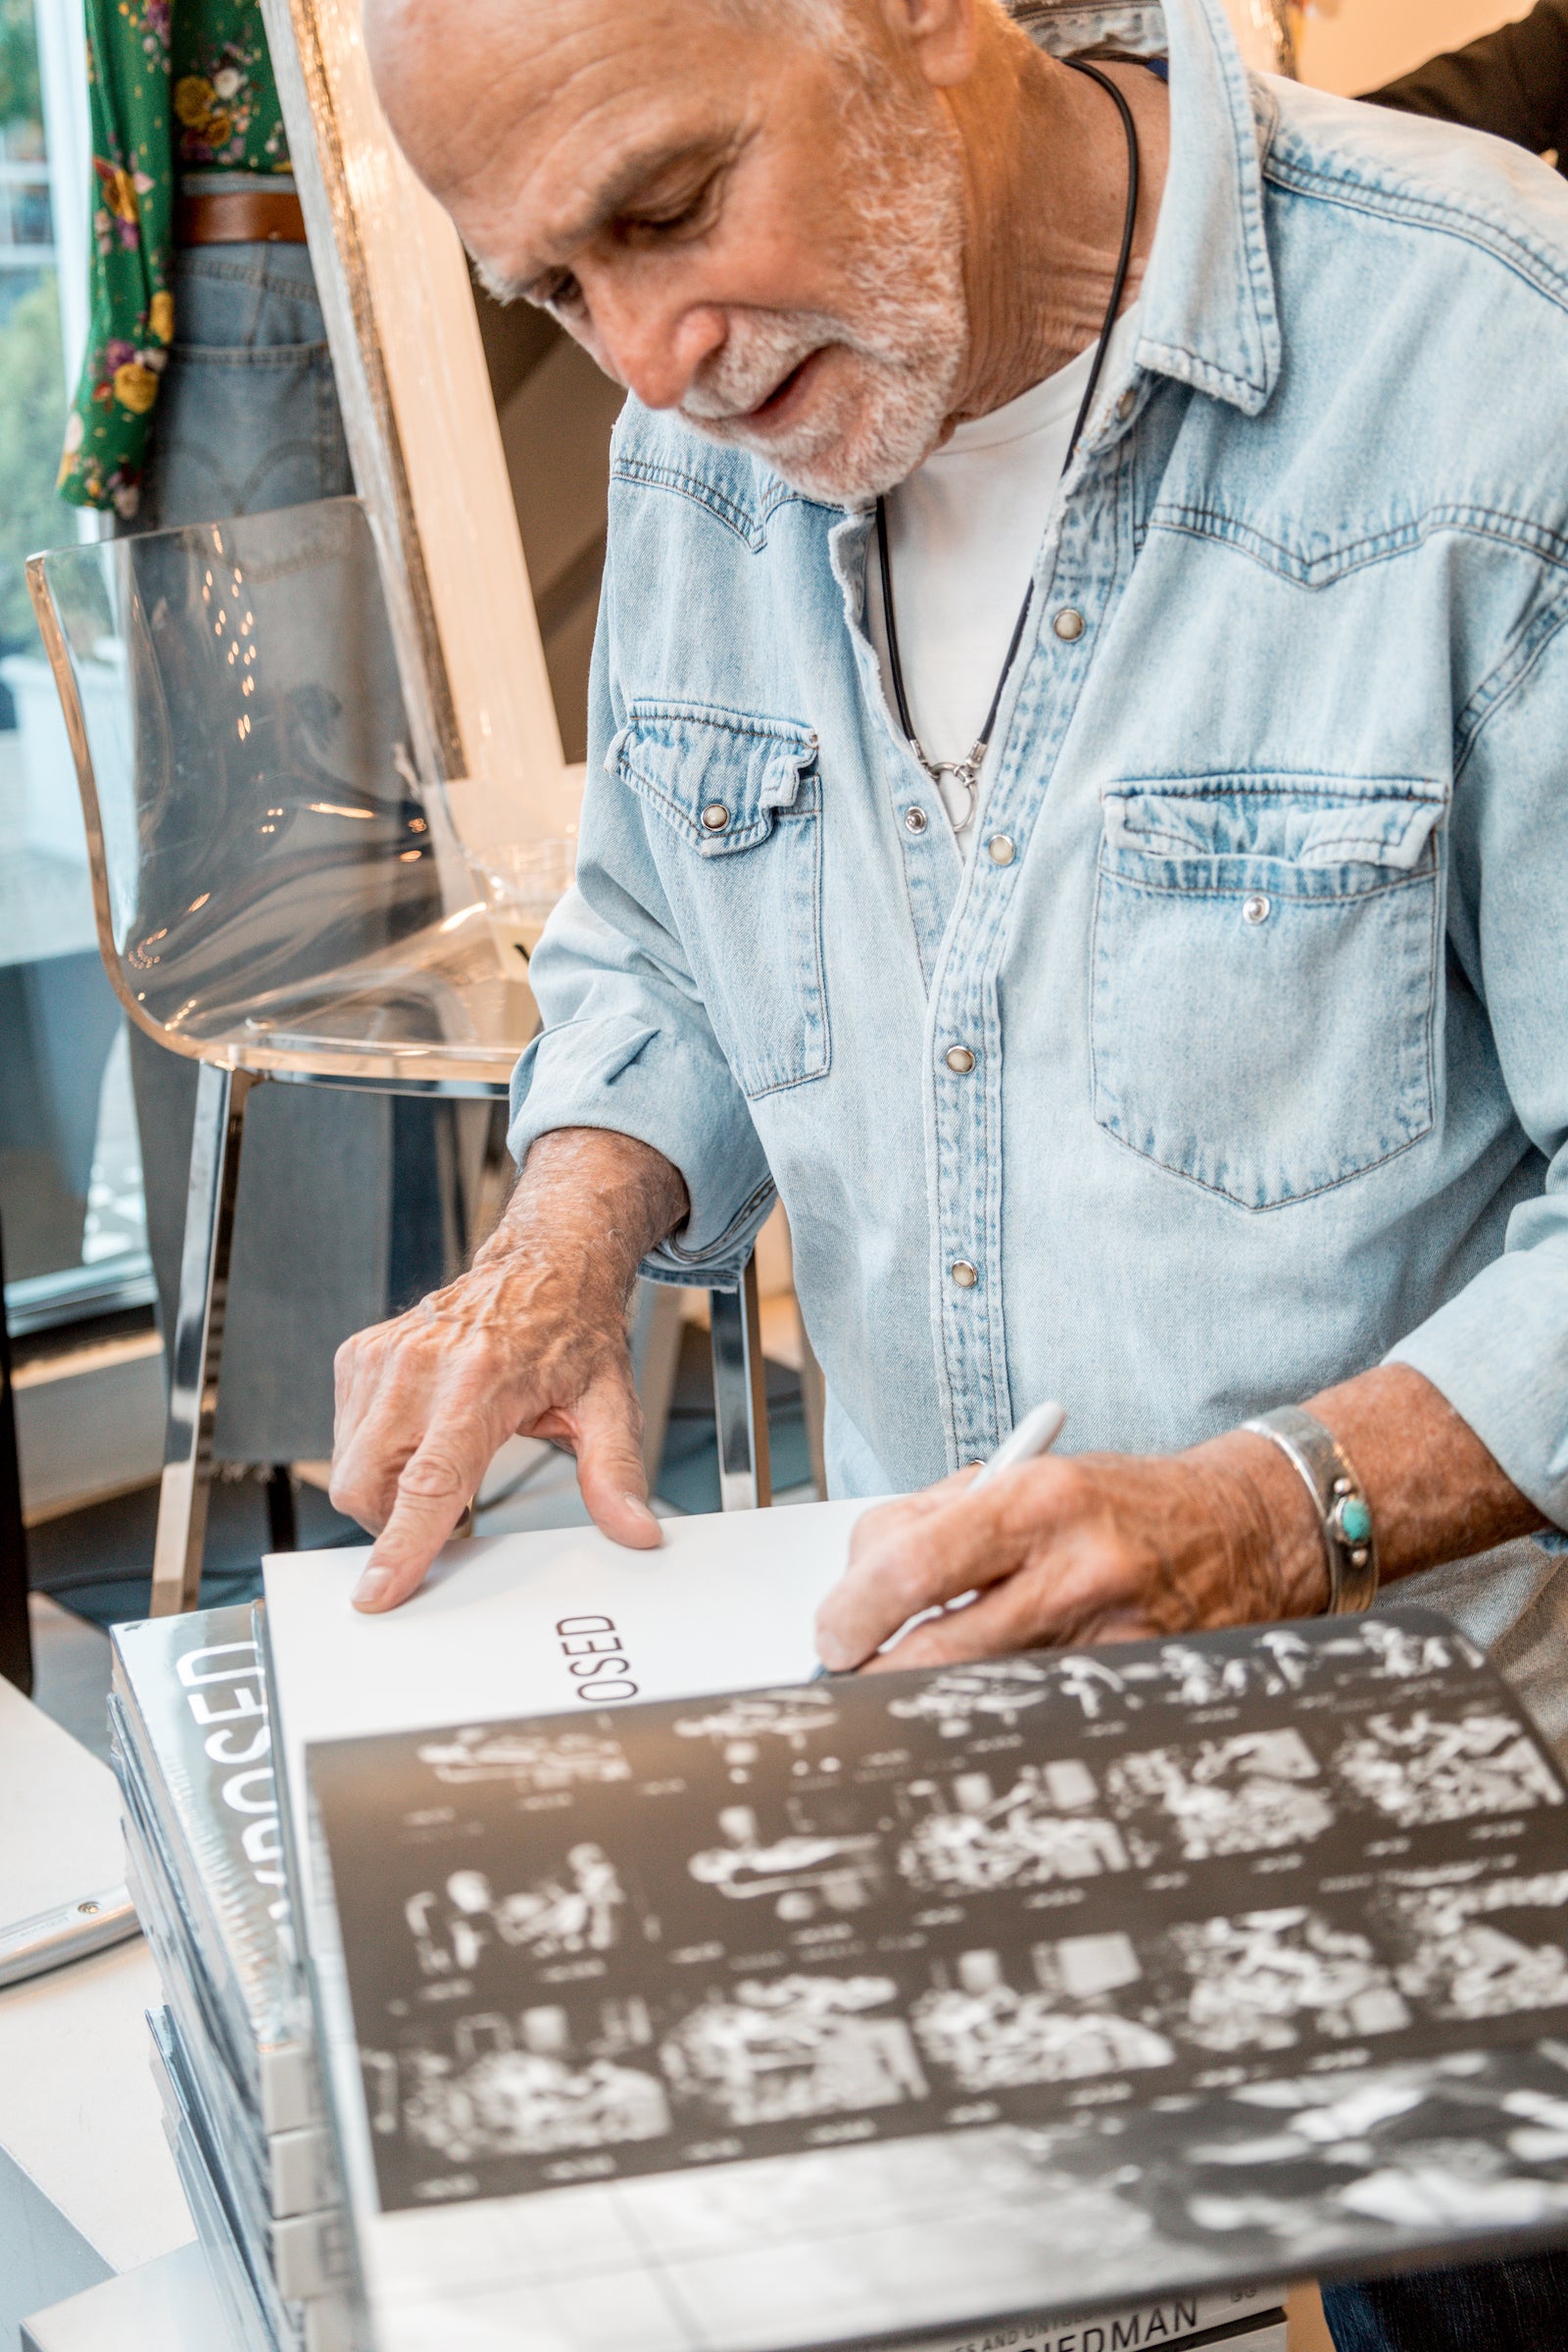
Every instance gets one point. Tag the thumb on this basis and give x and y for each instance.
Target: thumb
(606, 1436)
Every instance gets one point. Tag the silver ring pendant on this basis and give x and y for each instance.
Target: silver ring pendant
(962, 771)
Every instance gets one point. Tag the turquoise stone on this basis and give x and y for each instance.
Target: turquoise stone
(1356, 1520)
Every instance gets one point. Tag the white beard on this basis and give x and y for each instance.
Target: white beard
(905, 322)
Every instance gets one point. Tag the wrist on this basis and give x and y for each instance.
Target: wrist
(1270, 1523)
(588, 1206)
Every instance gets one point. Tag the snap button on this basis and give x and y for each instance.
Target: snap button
(1127, 402)
(1068, 623)
(960, 1060)
(963, 1274)
(1256, 910)
(1000, 850)
(715, 816)
(915, 820)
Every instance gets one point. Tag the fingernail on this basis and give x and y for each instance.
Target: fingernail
(370, 1588)
(635, 1502)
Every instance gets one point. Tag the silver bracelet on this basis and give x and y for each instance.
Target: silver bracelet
(1344, 1515)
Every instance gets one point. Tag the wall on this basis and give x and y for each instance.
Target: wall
(1353, 45)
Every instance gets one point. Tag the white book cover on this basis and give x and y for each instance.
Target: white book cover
(728, 1600)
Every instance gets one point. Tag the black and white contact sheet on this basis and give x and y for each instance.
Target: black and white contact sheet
(882, 1907)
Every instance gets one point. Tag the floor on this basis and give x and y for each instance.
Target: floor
(98, 1561)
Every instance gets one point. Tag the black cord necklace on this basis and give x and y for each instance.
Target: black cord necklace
(967, 772)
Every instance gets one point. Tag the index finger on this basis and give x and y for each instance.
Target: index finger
(435, 1487)
(901, 1512)
(905, 1564)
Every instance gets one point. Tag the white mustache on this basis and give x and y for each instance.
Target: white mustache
(756, 361)
(901, 330)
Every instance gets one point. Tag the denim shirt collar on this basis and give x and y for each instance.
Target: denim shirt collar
(1207, 307)
(1209, 312)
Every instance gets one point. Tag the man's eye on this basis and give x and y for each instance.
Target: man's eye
(668, 220)
(675, 219)
(558, 292)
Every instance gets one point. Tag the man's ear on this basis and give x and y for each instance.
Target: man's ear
(940, 36)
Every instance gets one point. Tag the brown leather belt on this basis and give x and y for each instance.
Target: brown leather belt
(240, 217)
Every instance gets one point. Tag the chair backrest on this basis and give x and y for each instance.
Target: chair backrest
(274, 886)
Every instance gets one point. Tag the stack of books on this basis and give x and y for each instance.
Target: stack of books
(232, 2046)
(661, 1996)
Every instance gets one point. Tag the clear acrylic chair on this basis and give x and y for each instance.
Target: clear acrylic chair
(280, 896)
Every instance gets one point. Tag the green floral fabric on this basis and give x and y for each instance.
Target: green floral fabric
(191, 94)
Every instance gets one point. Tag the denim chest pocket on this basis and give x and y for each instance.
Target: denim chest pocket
(1265, 960)
(738, 845)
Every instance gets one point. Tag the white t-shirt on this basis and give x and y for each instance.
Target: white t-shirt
(964, 531)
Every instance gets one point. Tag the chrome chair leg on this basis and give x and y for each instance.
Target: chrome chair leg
(283, 1512)
(220, 1098)
(740, 1396)
(656, 1328)
(814, 1402)
(497, 1175)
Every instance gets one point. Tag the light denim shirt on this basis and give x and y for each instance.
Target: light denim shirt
(1262, 952)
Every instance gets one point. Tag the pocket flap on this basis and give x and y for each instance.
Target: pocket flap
(720, 777)
(1391, 833)
(1306, 820)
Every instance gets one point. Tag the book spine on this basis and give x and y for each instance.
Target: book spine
(278, 2077)
(200, 1727)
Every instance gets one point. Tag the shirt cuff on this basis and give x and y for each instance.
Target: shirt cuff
(1499, 1353)
(675, 1093)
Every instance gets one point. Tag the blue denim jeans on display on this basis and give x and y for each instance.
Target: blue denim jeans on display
(1517, 2306)
(247, 415)
(247, 419)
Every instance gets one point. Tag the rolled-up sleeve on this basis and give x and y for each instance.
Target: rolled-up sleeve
(626, 1044)
(1499, 1349)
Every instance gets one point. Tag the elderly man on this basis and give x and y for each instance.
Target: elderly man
(1113, 883)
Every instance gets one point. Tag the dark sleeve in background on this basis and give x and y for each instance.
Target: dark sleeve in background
(1512, 82)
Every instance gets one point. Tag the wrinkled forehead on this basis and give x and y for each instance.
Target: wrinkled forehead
(526, 117)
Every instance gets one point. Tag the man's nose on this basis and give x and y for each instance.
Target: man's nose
(654, 353)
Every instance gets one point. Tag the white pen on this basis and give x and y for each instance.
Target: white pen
(1033, 1435)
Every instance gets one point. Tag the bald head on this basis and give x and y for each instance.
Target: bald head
(462, 80)
(752, 211)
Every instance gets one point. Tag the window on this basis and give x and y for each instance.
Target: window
(70, 1171)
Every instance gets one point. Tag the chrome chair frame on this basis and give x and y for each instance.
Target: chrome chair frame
(231, 1068)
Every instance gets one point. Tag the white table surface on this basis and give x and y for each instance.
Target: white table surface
(78, 2115)
(166, 2306)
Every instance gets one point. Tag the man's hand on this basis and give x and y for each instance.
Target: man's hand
(1092, 1547)
(1114, 1547)
(531, 1341)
